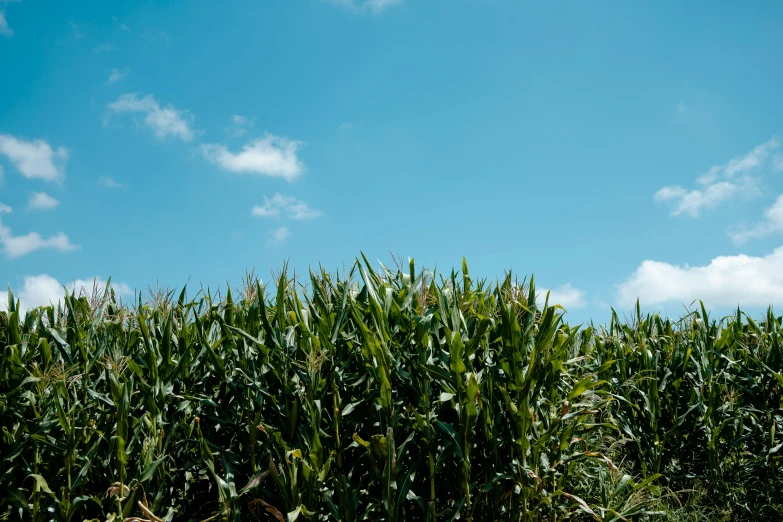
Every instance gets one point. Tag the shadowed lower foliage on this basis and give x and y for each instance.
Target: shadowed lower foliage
(384, 395)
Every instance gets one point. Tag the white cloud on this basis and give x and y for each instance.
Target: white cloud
(117, 75)
(345, 126)
(363, 6)
(693, 202)
(267, 156)
(777, 162)
(289, 206)
(752, 159)
(36, 158)
(43, 290)
(42, 201)
(680, 107)
(720, 183)
(240, 124)
(772, 224)
(164, 121)
(5, 30)
(726, 281)
(565, 295)
(40, 290)
(376, 6)
(106, 181)
(278, 236)
(18, 246)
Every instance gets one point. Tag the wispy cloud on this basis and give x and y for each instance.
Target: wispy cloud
(693, 202)
(777, 162)
(42, 201)
(720, 183)
(35, 159)
(76, 30)
(117, 75)
(726, 281)
(279, 236)
(5, 30)
(268, 156)
(164, 121)
(346, 126)
(18, 246)
(120, 24)
(239, 120)
(772, 224)
(752, 159)
(106, 181)
(285, 206)
(367, 6)
(45, 290)
(241, 124)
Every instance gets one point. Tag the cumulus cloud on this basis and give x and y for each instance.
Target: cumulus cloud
(564, 295)
(720, 183)
(18, 246)
(41, 201)
(117, 75)
(35, 159)
(268, 156)
(5, 30)
(288, 206)
(772, 224)
(726, 281)
(45, 290)
(164, 121)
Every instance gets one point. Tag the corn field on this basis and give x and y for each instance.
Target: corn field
(386, 394)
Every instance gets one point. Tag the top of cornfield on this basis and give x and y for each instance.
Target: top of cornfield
(384, 395)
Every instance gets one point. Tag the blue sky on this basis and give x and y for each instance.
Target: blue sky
(614, 150)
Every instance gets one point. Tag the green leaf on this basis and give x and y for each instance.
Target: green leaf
(42, 485)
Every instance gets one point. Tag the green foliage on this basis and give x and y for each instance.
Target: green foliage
(384, 395)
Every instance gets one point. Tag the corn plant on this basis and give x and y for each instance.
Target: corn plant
(390, 394)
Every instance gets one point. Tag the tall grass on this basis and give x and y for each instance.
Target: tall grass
(391, 394)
